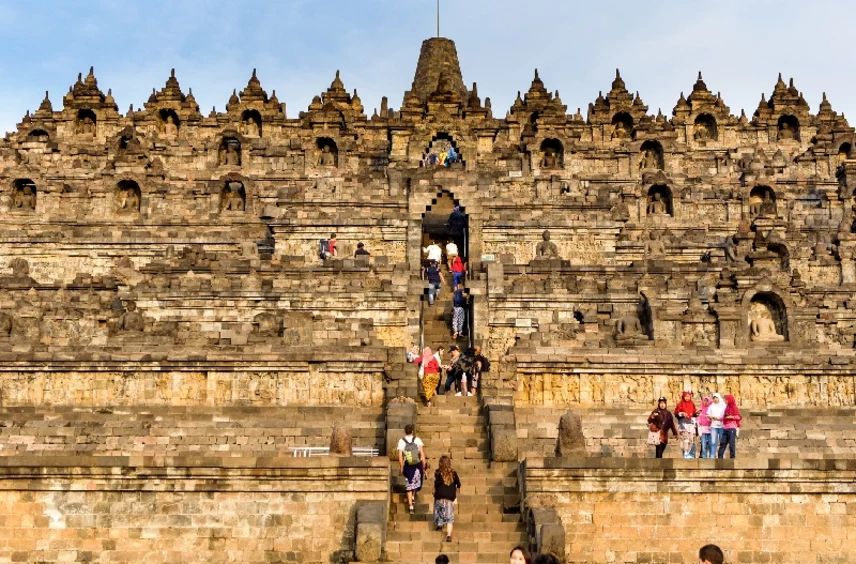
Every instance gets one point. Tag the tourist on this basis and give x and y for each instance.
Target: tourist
(519, 555)
(459, 269)
(710, 554)
(411, 462)
(447, 486)
(457, 227)
(331, 245)
(442, 159)
(442, 559)
(432, 158)
(480, 364)
(451, 253)
(361, 251)
(435, 281)
(438, 354)
(704, 428)
(429, 368)
(716, 414)
(452, 369)
(730, 427)
(547, 558)
(459, 303)
(451, 156)
(685, 412)
(434, 252)
(661, 420)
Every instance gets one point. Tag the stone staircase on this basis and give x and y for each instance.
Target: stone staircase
(437, 322)
(487, 521)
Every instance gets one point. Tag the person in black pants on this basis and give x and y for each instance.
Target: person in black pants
(661, 419)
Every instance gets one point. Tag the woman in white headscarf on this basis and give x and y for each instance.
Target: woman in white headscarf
(716, 414)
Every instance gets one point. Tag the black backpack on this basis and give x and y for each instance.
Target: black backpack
(323, 248)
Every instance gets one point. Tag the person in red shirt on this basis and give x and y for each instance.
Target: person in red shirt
(458, 271)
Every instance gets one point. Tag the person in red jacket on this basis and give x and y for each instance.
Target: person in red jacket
(730, 424)
(661, 420)
(685, 412)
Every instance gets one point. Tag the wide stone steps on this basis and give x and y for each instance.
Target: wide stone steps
(485, 527)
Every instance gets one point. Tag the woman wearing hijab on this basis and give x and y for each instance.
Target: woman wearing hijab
(430, 368)
(730, 425)
(704, 428)
(685, 411)
(716, 414)
(661, 420)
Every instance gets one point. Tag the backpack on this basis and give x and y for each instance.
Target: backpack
(411, 453)
(485, 364)
(323, 248)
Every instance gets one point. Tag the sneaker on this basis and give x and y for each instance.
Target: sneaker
(470, 394)
(458, 395)
(411, 510)
(449, 538)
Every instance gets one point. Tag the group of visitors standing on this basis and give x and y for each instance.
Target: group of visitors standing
(716, 423)
(446, 157)
(708, 554)
(463, 370)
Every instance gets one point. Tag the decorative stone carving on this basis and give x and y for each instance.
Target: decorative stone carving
(654, 247)
(24, 198)
(656, 205)
(5, 324)
(131, 320)
(327, 157)
(232, 197)
(170, 128)
(546, 248)
(267, 325)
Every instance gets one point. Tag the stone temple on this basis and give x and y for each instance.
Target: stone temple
(171, 342)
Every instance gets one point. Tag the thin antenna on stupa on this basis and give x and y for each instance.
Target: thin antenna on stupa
(438, 18)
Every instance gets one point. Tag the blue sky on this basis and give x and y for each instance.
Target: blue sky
(297, 45)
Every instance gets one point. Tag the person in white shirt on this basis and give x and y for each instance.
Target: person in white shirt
(435, 253)
(412, 465)
(716, 414)
(451, 253)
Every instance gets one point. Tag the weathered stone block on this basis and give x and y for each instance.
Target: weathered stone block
(503, 444)
(571, 441)
(341, 441)
(551, 539)
(369, 542)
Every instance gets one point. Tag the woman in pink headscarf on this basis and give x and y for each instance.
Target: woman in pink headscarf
(704, 428)
(730, 425)
(430, 369)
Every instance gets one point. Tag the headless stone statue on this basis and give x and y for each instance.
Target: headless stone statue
(629, 328)
(546, 248)
(620, 211)
(763, 329)
(231, 199)
(656, 206)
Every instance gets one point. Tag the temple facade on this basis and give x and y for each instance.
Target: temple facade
(160, 269)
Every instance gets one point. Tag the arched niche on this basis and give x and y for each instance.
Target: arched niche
(251, 123)
(622, 126)
(762, 201)
(704, 128)
(788, 128)
(440, 144)
(38, 136)
(844, 151)
(782, 252)
(328, 152)
(127, 197)
(233, 196)
(660, 201)
(24, 193)
(229, 153)
(651, 155)
(169, 122)
(86, 122)
(768, 320)
(553, 154)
